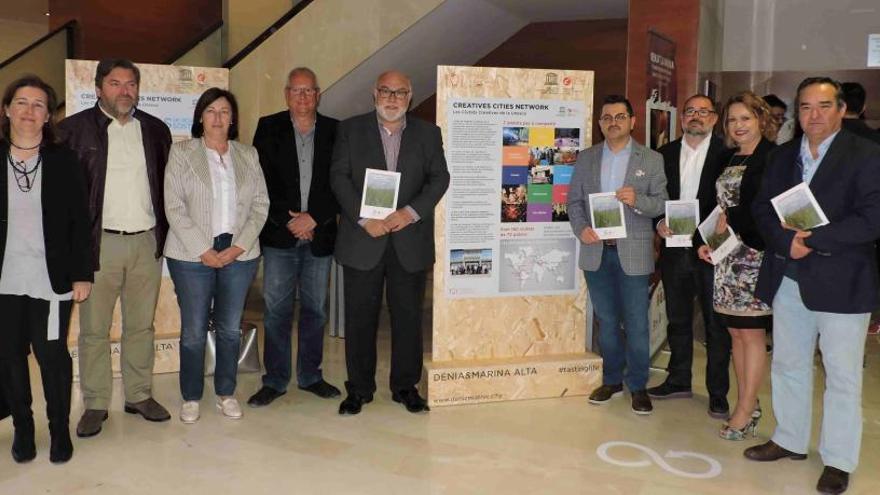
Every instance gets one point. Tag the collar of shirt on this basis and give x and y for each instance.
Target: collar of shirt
(807, 163)
(626, 150)
(392, 133)
(701, 148)
(306, 134)
(216, 158)
(807, 155)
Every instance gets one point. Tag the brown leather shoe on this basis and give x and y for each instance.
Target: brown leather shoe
(605, 393)
(771, 452)
(833, 481)
(149, 409)
(90, 423)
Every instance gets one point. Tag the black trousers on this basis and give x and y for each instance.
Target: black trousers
(405, 292)
(25, 326)
(686, 277)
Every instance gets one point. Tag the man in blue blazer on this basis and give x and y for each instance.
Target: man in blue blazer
(822, 283)
(398, 249)
(617, 270)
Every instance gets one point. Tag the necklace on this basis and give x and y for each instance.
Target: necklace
(24, 178)
(742, 163)
(26, 149)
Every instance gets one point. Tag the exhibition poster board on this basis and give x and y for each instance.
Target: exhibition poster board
(508, 295)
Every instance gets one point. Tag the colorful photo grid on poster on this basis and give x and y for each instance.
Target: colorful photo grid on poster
(537, 166)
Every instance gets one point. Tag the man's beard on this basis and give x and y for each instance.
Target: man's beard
(390, 116)
(696, 131)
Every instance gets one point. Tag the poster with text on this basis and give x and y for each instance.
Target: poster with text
(167, 92)
(660, 103)
(511, 162)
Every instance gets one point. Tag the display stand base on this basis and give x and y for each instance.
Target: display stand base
(452, 383)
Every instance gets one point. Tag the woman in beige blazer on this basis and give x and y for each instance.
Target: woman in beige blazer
(216, 204)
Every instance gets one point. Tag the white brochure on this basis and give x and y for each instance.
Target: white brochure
(606, 214)
(798, 208)
(381, 188)
(682, 218)
(721, 244)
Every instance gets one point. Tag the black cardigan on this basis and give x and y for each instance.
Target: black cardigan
(740, 217)
(65, 216)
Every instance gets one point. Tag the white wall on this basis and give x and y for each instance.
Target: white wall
(15, 35)
(798, 35)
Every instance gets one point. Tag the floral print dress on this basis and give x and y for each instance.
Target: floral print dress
(737, 274)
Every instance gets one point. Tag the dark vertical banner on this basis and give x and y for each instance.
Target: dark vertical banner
(660, 104)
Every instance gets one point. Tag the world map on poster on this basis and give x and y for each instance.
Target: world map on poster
(538, 266)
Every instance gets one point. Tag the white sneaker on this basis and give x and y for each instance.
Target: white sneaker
(229, 407)
(189, 413)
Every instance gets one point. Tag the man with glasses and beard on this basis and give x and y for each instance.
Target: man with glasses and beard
(692, 166)
(398, 249)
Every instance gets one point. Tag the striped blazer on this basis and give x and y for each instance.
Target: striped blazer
(189, 200)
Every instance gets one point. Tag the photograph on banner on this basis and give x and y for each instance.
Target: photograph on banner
(607, 216)
(798, 208)
(661, 92)
(722, 242)
(470, 262)
(660, 121)
(525, 150)
(381, 188)
(167, 92)
(682, 218)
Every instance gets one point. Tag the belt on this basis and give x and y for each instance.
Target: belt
(122, 232)
(612, 243)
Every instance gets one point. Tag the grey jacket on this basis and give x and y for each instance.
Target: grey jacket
(645, 174)
(423, 181)
(189, 200)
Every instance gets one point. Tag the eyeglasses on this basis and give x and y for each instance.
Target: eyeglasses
(606, 119)
(702, 112)
(386, 93)
(303, 91)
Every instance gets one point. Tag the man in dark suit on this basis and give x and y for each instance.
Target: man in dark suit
(822, 282)
(295, 147)
(692, 166)
(398, 249)
(854, 96)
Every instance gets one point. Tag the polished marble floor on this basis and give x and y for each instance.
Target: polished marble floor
(300, 445)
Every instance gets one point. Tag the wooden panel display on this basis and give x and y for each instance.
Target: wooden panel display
(499, 346)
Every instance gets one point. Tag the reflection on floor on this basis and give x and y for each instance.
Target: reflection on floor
(300, 444)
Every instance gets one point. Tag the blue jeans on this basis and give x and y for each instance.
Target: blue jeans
(284, 271)
(841, 339)
(218, 294)
(617, 296)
